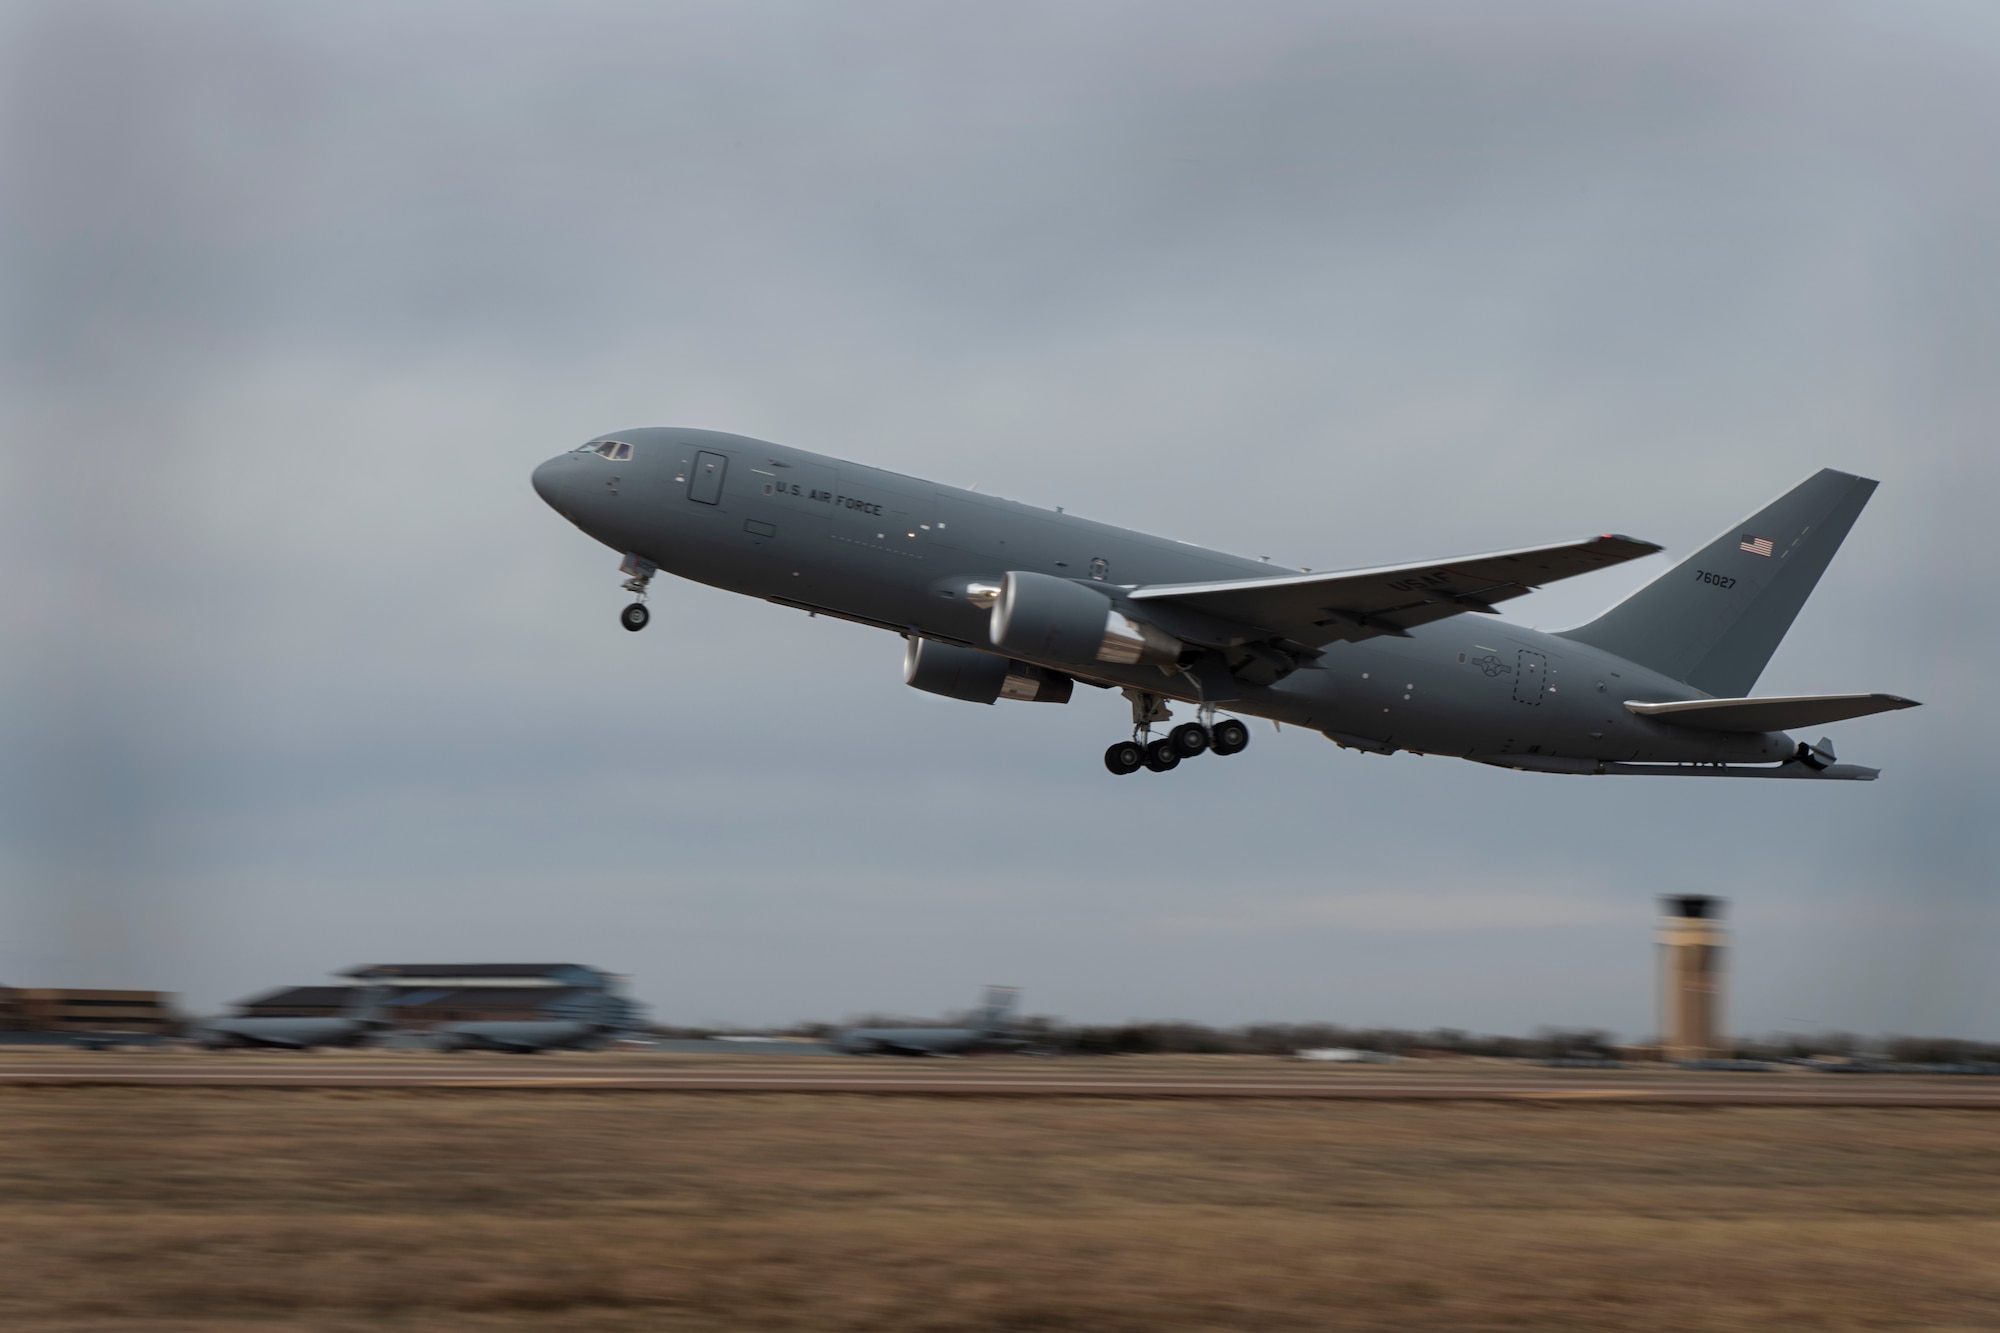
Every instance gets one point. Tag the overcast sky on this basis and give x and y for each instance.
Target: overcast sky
(299, 673)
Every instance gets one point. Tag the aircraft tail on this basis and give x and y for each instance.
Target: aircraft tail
(368, 1003)
(1715, 619)
(997, 1013)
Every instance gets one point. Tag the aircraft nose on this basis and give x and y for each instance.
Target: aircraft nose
(549, 479)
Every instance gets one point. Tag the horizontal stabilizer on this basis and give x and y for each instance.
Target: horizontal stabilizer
(1781, 713)
(1318, 609)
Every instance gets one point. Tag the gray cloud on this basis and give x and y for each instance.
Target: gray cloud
(304, 675)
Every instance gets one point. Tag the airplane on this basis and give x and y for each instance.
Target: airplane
(992, 1032)
(362, 1019)
(1000, 600)
(587, 1032)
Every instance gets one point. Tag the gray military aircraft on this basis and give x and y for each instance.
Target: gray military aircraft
(991, 1030)
(999, 600)
(588, 1031)
(362, 1019)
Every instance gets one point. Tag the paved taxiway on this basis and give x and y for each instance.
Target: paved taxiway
(1249, 1078)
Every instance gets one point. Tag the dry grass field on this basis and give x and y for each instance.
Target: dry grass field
(182, 1209)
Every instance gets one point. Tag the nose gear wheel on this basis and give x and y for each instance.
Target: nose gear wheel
(636, 617)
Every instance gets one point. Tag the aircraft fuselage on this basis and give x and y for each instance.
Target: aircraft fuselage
(909, 556)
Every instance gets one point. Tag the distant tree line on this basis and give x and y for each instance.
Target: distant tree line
(1176, 1037)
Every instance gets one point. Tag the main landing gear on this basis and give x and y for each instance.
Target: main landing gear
(636, 617)
(1184, 742)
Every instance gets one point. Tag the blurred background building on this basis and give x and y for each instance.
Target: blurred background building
(428, 995)
(67, 1009)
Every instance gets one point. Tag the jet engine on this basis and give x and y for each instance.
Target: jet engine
(1038, 615)
(979, 677)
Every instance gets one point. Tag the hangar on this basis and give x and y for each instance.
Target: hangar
(68, 1009)
(428, 995)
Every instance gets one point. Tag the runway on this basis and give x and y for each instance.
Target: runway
(1164, 1078)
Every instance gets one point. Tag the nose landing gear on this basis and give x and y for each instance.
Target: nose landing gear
(636, 617)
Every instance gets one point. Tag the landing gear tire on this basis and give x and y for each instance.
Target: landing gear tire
(1161, 756)
(1228, 736)
(634, 617)
(1188, 739)
(1125, 757)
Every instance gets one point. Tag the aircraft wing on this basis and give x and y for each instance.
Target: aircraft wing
(1778, 713)
(886, 1047)
(1316, 609)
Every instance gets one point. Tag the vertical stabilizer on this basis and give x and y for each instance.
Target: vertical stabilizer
(1715, 619)
(997, 1013)
(368, 1003)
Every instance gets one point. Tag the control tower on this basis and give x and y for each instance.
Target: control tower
(1691, 942)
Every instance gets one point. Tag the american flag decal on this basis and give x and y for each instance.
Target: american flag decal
(1755, 545)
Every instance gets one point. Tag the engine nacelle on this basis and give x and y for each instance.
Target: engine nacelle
(977, 677)
(1038, 615)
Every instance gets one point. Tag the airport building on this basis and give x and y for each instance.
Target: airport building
(38, 1009)
(427, 995)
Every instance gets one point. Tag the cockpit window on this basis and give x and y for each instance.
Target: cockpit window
(615, 450)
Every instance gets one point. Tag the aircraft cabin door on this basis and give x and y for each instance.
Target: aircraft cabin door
(705, 480)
